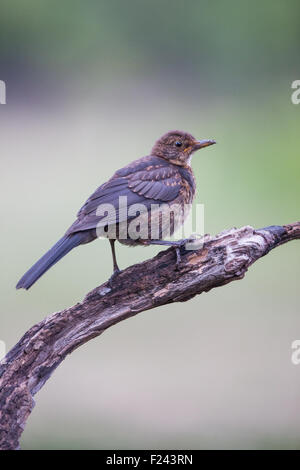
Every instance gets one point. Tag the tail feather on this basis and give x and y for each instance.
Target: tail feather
(58, 251)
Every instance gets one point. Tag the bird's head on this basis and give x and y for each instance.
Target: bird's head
(178, 147)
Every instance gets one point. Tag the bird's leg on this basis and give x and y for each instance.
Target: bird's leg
(115, 264)
(113, 252)
(176, 244)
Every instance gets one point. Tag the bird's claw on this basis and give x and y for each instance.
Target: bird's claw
(178, 257)
(113, 277)
(179, 245)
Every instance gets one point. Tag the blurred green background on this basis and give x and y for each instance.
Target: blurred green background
(90, 86)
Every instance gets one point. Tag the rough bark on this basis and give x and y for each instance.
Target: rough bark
(214, 262)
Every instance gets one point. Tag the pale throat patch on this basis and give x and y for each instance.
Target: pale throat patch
(189, 160)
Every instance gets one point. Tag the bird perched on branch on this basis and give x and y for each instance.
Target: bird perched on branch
(164, 178)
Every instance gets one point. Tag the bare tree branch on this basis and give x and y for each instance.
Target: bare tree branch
(147, 285)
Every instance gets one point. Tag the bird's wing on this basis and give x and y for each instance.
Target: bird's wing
(154, 182)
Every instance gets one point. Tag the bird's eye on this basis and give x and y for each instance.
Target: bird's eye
(178, 143)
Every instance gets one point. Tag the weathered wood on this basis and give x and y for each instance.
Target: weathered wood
(147, 285)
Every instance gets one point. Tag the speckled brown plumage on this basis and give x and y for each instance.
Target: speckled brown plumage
(163, 177)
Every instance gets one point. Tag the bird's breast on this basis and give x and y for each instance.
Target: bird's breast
(188, 185)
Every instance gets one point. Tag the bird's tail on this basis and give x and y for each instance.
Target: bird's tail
(58, 251)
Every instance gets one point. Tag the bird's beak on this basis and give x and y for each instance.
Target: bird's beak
(199, 144)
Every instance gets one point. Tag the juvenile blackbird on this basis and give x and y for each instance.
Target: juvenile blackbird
(164, 177)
